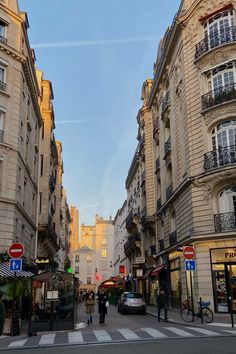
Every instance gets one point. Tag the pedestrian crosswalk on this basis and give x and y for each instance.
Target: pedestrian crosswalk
(115, 335)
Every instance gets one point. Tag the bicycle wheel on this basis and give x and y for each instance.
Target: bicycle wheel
(207, 315)
(187, 315)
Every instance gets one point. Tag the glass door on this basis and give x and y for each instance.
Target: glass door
(231, 275)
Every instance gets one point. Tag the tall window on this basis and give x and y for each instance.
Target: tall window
(104, 252)
(2, 116)
(2, 31)
(77, 257)
(104, 241)
(2, 77)
(219, 28)
(224, 134)
(222, 77)
(40, 202)
(89, 281)
(89, 258)
(227, 200)
(76, 270)
(41, 165)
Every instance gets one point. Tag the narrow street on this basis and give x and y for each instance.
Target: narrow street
(120, 329)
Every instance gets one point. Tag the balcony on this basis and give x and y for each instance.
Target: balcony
(52, 183)
(169, 191)
(158, 204)
(129, 220)
(143, 215)
(1, 136)
(173, 238)
(3, 40)
(161, 245)
(218, 96)
(3, 86)
(130, 245)
(220, 157)
(165, 102)
(216, 39)
(167, 147)
(225, 222)
(143, 178)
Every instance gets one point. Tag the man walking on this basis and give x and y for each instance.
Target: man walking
(161, 303)
(2, 314)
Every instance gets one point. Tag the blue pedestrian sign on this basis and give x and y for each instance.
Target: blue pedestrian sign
(190, 265)
(15, 265)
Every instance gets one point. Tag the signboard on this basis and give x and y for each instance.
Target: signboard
(190, 265)
(140, 260)
(122, 269)
(16, 250)
(15, 265)
(188, 252)
(139, 273)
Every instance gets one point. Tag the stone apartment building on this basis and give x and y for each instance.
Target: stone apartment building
(64, 231)
(50, 178)
(20, 122)
(74, 228)
(189, 125)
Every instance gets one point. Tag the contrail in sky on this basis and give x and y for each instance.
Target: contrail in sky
(78, 121)
(92, 42)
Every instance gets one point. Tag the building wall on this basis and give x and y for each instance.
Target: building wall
(74, 228)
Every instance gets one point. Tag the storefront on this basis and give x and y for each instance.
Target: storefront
(175, 282)
(223, 267)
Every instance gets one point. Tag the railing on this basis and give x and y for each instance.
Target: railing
(1, 135)
(152, 250)
(220, 157)
(155, 125)
(167, 146)
(130, 244)
(158, 164)
(52, 231)
(225, 222)
(143, 178)
(158, 203)
(2, 86)
(3, 40)
(143, 214)
(169, 191)
(165, 102)
(173, 238)
(129, 219)
(161, 245)
(220, 95)
(52, 183)
(222, 36)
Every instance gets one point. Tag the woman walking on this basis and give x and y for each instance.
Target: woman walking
(89, 305)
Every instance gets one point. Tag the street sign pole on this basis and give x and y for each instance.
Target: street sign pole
(191, 290)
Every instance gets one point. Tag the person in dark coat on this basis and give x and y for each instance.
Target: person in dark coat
(2, 314)
(162, 303)
(102, 308)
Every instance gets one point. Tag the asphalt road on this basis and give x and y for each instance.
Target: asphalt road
(172, 346)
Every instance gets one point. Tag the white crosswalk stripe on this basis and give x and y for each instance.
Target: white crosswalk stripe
(75, 337)
(128, 334)
(102, 335)
(154, 332)
(18, 343)
(203, 331)
(179, 332)
(47, 339)
(230, 331)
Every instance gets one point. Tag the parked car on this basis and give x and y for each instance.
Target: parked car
(132, 302)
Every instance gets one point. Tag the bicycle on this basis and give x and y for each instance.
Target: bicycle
(204, 313)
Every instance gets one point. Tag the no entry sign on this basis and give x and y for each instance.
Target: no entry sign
(188, 252)
(16, 250)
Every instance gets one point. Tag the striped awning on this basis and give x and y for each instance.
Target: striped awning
(6, 273)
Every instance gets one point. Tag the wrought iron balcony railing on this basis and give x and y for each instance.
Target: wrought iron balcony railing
(220, 95)
(165, 102)
(161, 245)
(169, 191)
(220, 157)
(167, 146)
(1, 136)
(225, 222)
(143, 178)
(157, 164)
(52, 183)
(222, 36)
(3, 86)
(173, 238)
(131, 243)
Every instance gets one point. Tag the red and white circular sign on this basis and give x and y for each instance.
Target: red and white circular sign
(16, 250)
(188, 252)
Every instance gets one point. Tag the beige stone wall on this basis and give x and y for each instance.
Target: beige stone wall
(74, 228)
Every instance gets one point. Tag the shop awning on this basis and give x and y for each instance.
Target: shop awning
(147, 273)
(6, 273)
(157, 270)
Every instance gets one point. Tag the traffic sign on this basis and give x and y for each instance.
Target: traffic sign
(15, 265)
(188, 252)
(16, 250)
(190, 265)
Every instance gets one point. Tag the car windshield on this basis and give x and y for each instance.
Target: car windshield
(134, 296)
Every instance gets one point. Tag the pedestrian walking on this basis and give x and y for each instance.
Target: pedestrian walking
(2, 314)
(162, 303)
(89, 305)
(102, 306)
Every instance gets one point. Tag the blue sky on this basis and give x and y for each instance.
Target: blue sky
(97, 53)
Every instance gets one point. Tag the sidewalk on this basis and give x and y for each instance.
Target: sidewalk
(219, 320)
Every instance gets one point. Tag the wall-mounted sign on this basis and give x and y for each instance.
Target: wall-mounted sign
(139, 273)
(41, 260)
(52, 295)
(140, 260)
(223, 255)
(122, 269)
